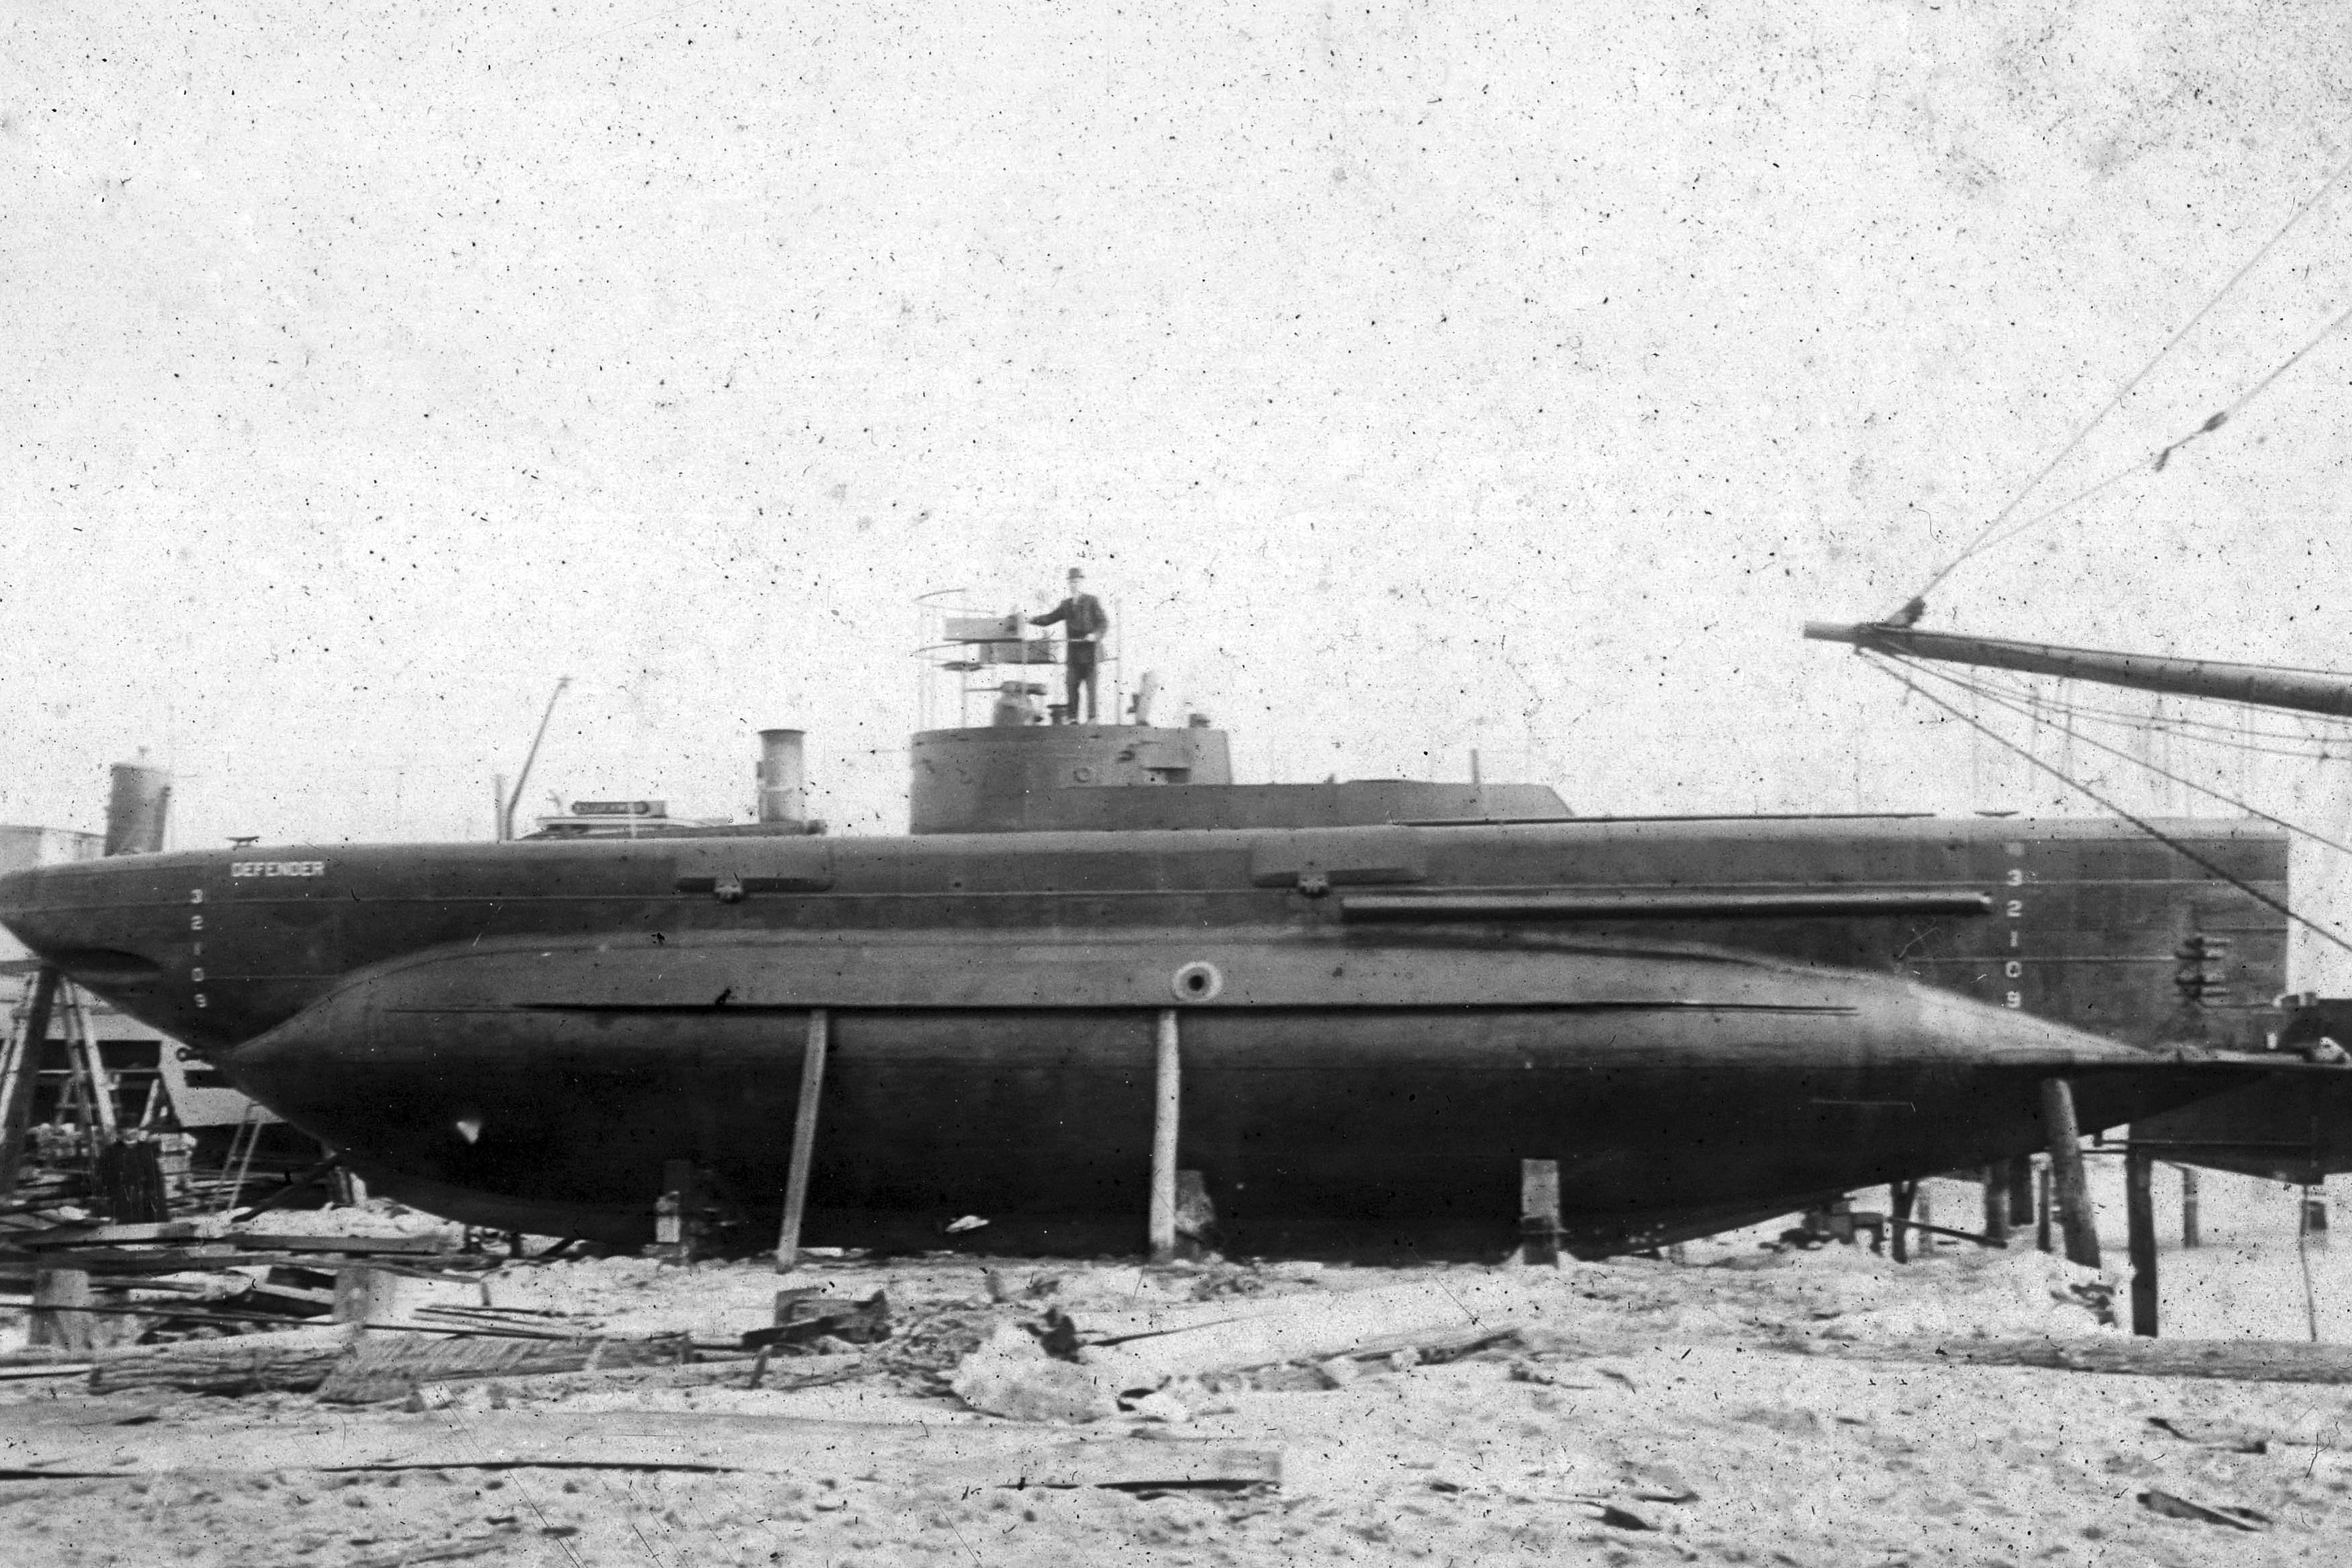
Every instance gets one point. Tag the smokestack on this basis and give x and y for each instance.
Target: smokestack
(138, 802)
(781, 780)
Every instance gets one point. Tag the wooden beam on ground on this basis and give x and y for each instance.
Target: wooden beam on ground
(392, 1366)
(796, 1175)
(1167, 1097)
(2125, 1355)
(1539, 1212)
(189, 1234)
(1313, 1326)
(2139, 1210)
(806, 1451)
(2064, 1135)
(248, 1363)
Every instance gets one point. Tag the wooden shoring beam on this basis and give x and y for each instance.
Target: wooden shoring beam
(2065, 1136)
(1168, 1086)
(796, 1175)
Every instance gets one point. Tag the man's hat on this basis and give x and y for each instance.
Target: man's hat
(1076, 575)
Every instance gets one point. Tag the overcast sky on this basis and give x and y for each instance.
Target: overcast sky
(1409, 379)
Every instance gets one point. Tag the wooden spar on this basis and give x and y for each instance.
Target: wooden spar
(2140, 1209)
(19, 1072)
(2065, 1137)
(2192, 1236)
(2267, 686)
(1167, 1092)
(788, 1238)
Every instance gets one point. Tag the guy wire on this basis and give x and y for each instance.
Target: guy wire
(2106, 804)
(2132, 385)
(1998, 700)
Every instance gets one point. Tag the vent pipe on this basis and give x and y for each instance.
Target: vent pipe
(782, 782)
(138, 802)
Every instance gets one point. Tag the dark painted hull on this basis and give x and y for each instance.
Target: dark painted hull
(1701, 1022)
(487, 1085)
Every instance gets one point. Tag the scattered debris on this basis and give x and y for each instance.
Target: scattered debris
(1011, 1374)
(2173, 1506)
(805, 1316)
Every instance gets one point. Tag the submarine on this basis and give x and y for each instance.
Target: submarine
(1384, 995)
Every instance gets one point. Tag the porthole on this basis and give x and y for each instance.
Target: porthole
(1198, 982)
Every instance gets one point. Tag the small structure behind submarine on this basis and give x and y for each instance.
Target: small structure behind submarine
(1381, 996)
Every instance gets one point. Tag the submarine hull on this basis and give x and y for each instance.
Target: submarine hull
(543, 1089)
(1703, 1022)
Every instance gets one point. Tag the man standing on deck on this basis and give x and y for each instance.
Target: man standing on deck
(1082, 619)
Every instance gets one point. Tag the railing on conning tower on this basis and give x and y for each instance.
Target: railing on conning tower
(969, 654)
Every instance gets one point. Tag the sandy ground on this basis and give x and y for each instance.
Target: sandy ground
(1665, 1400)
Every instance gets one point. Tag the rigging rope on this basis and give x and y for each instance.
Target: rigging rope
(2176, 846)
(2224, 737)
(1985, 533)
(2250, 810)
(2153, 462)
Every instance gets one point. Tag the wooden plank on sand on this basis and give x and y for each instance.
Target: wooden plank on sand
(805, 1449)
(2245, 1361)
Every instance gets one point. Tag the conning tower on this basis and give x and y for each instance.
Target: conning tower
(1023, 772)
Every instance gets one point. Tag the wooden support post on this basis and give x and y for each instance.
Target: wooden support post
(2315, 1215)
(796, 1175)
(677, 1215)
(20, 1069)
(1996, 1201)
(2139, 1211)
(2020, 1188)
(1196, 1215)
(1166, 1093)
(1898, 1213)
(2041, 1207)
(2076, 1220)
(1540, 1211)
(2192, 1237)
(347, 1189)
(89, 1066)
(1923, 1216)
(56, 1292)
(364, 1295)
